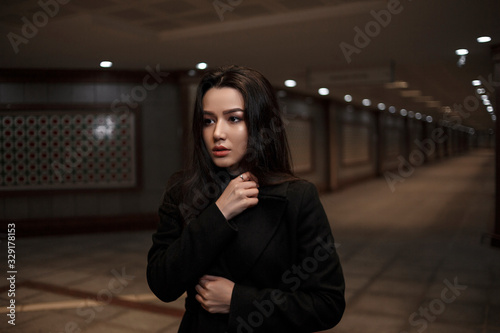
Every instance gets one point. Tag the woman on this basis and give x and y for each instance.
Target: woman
(247, 240)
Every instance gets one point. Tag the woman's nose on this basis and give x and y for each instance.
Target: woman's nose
(219, 131)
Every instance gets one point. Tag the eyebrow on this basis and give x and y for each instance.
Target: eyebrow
(225, 112)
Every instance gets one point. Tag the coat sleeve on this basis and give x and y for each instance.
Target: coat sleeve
(310, 295)
(180, 253)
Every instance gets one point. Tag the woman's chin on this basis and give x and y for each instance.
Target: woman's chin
(230, 167)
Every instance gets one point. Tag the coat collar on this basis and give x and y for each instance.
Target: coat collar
(273, 191)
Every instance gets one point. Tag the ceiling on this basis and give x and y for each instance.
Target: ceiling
(337, 44)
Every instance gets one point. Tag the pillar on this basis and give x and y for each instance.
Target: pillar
(495, 241)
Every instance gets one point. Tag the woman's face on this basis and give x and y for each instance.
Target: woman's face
(224, 130)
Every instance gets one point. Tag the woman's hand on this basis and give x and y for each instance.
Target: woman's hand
(214, 293)
(240, 194)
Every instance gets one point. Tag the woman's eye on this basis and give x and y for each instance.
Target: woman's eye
(207, 121)
(234, 119)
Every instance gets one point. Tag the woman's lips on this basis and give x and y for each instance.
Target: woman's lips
(220, 151)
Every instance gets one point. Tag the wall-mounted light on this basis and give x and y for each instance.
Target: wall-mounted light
(106, 64)
(323, 91)
(484, 39)
(201, 65)
(290, 83)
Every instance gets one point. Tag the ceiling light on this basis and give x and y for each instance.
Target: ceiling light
(396, 85)
(489, 108)
(403, 112)
(366, 102)
(433, 104)
(381, 106)
(493, 117)
(201, 65)
(476, 83)
(348, 98)
(410, 93)
(411, 114)
(392, 109)
(323, 91)
(423, 99)
(428, 119)
(462, 52)
(106, 64)
(290, 83)
(418, 115)
(484, 39)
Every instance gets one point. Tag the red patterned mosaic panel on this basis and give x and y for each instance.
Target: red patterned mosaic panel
(67, 150)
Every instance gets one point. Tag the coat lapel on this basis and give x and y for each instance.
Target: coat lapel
(256, 228)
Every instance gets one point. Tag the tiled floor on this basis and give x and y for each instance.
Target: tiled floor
(413, 261)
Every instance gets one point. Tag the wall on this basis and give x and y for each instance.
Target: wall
(354, 136)
(159, 145)
(301, 112)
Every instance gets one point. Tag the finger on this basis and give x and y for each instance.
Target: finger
(200, 300)
(248, 192)
(209, 277)
(202, 284)
(247, 176)
(248, 184)
(252, 193)
(252, 202)
(199, 289)
(250, 176)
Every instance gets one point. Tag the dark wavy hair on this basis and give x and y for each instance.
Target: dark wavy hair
(267, 156)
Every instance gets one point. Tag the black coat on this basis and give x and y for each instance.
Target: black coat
(280, 254)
